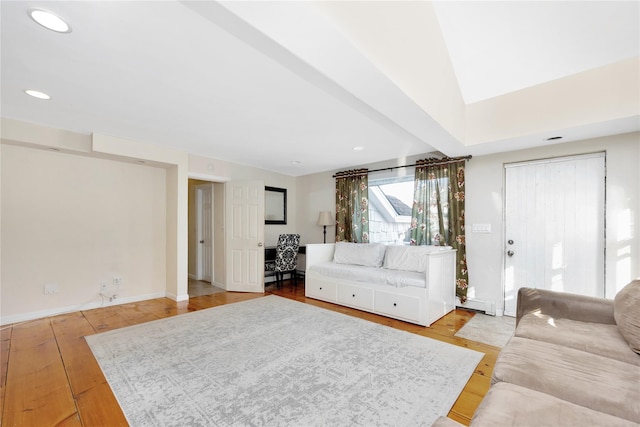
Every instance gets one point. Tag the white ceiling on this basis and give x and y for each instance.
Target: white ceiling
(267, 84)
(501, 47)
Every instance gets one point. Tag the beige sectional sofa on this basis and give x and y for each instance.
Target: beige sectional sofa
(573, 361)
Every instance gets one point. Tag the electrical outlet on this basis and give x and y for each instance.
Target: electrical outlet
(107, 290)
(50, 288)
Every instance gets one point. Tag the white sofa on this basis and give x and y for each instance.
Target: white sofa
(415, 284)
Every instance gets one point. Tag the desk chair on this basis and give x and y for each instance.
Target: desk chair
(286, 258)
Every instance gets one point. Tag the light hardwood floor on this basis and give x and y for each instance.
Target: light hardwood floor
(49, 377)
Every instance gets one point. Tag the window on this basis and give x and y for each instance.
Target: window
(390, 202)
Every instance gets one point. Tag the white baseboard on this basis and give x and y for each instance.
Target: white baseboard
(488, 307)
(16, 318)
(177, 298)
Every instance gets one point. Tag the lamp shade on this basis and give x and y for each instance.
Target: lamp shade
(325, 218)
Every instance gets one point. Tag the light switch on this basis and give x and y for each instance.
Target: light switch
(481, 228)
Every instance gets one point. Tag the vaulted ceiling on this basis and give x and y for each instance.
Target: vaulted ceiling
(293, 87)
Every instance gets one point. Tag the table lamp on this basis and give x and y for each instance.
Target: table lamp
(325, 219)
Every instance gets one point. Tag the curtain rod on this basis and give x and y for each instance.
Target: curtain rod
(432, 162)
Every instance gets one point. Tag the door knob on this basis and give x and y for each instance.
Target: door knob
(260, 244)
(510, 242)
(510, 253)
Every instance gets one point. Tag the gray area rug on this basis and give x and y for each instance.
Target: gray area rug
(277, 362)
(492, 330)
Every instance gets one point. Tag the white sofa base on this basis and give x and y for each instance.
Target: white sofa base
(421, 306)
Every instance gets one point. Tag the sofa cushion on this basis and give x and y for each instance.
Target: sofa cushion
(409, 258)
(596, 338)
(366, 254)
(600, 383)
(627, 314)
(511, 405)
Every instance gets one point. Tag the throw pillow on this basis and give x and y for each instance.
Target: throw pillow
(409, 258)
(626, 311)
(366, 254)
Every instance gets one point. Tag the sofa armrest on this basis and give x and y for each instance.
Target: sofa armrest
(564, 305)
(317, 253)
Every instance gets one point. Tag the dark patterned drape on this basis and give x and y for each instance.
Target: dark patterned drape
(438, 212)
(352, 206)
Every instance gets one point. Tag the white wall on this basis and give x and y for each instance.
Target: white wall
(484, 205)
(169, 208)
(95, 147)
(86, 193)
(219, 256)
(609, 93)
(316, 192)
(218, 170)
(176, 207)
(77, 221)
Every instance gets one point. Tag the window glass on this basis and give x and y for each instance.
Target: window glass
(390, 202)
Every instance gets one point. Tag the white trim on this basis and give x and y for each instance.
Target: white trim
(488, 307)
(177, 298)
(556, 159)
(71, 309)
(198, 191)
(200, 221)
(207, 177)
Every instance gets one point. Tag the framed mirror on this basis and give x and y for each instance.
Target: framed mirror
(275, 205)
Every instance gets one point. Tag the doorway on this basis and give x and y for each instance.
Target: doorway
(555, 226)
(204, 232)
(203, 221)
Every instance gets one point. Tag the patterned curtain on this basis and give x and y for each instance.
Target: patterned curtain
(352, 206)
(437, 216)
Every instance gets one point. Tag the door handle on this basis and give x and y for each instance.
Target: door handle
(260, 244)
(510, 253)
(201, 241)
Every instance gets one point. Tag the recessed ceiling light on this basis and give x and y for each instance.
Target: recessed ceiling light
(358, 148)
(554, 138)
(49, 20)
(37, 94)
(296, 162)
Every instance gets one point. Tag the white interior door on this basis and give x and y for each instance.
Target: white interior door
(244, 236)
(204, 212)
(555, 226)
